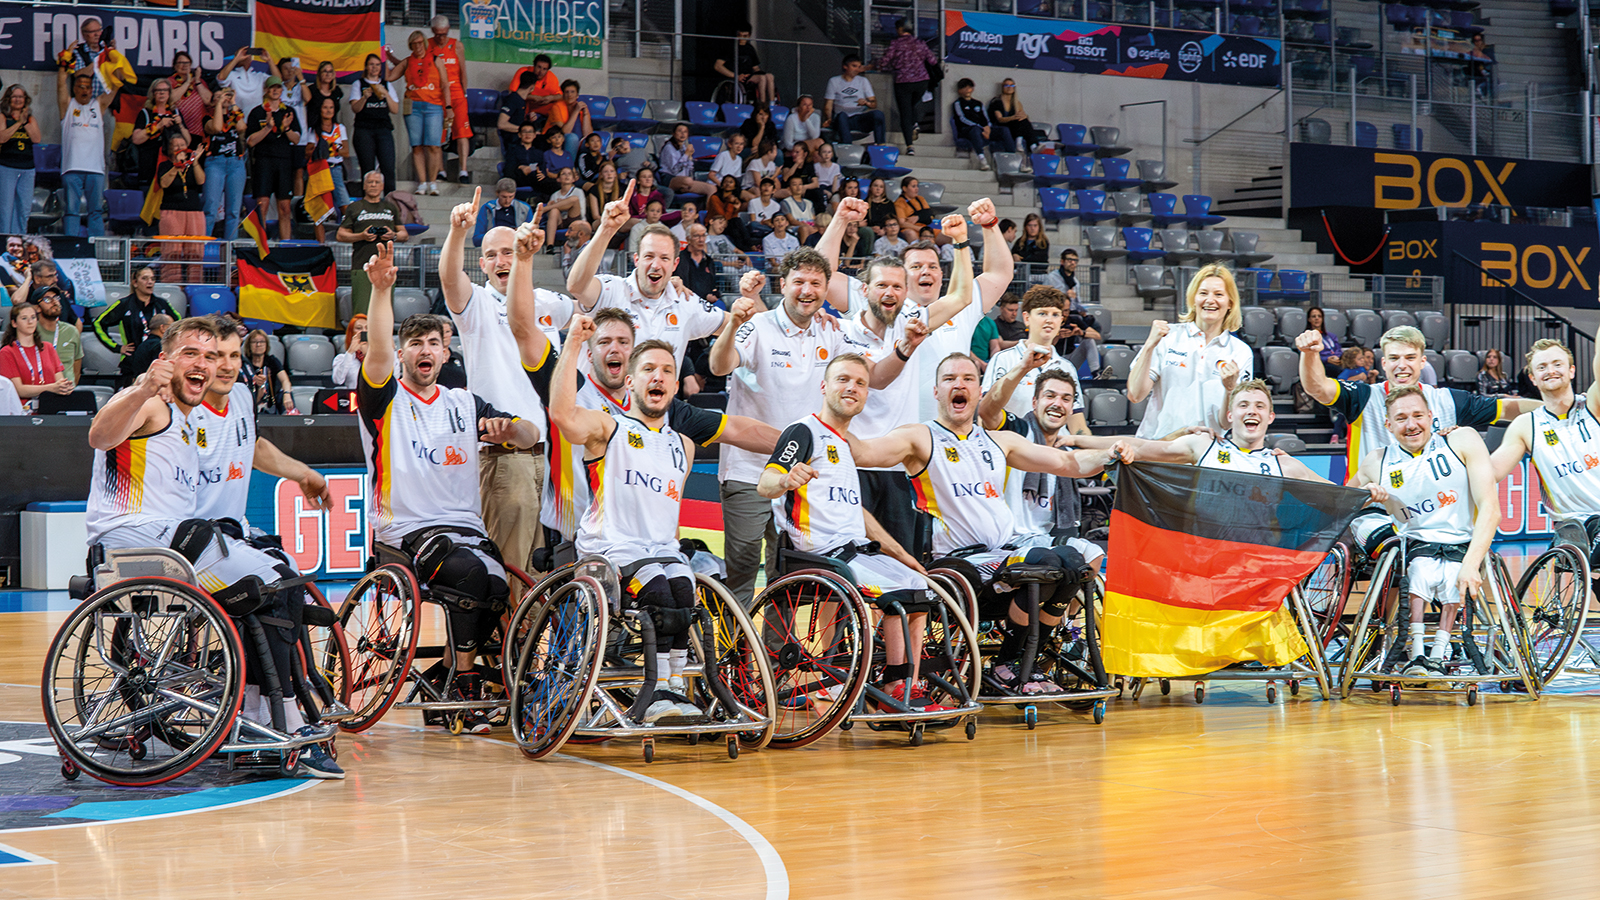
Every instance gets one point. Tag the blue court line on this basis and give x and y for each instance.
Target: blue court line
(11, 856)
(209, 798)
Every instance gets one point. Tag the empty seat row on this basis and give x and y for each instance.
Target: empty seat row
(1207, 247)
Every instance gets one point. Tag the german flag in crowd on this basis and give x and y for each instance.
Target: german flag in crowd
(255, 230)
(1200, 561)
(319, 185)
(295, 286)
(342, 32)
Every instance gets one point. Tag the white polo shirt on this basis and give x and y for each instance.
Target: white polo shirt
(1187, 370)
(674, 317)
(895, 405)
(779, 378)
(493, 363)
(954, 336)
(1021, 402)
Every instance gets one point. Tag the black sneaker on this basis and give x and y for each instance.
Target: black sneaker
(475, 721)
(464, 178)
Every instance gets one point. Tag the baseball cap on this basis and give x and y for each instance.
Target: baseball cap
(274, 81)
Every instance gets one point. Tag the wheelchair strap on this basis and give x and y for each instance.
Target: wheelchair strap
(416, 542)
(626, 573)
(1428, 550)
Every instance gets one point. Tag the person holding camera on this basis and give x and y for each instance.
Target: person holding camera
(182, 181)
(368, 223)
(224, 187)
(347, 365)
(155, 126)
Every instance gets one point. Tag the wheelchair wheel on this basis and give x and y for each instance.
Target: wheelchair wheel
(813, 627)
(733, 649)
(379, 621)
(331, 650)
(558, 661)
(143, 682)
(951, 663)
(515, 624)
(1067, 654)
(1375, 630)
(1552, 599)
(1326, 591)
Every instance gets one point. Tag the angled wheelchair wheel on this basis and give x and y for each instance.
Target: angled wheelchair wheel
(951, 663)
(733, 649)
(1069, 654)
(1552, 599)
(1326, 591)
(813, 627)
(331, 651)
(379, 621)
(516, 623)
(143, 681)
(558, 661)
(1375, 630)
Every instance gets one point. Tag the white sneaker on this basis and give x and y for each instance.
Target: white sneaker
(661, 709)
(983, 162)
(433, 188)
(677, 686)
(421, 189)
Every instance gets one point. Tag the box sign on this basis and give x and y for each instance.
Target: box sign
(1554, 266)
(32, 36)
(1324, 175)
(1051, 45)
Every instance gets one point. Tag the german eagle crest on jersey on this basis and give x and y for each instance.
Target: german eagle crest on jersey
(635, 441)
(1396, 479)
(1224, 456)
(833, 454)
(951, 454)
(1550, 437)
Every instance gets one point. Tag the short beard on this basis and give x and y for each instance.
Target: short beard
(878, 312)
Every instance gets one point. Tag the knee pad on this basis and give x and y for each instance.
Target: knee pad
(459, 578)
(192, 537)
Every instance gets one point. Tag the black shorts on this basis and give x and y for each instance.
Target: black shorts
(272, 176)
(888, 496)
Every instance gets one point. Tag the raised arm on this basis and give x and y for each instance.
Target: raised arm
(724, 356)
(748, 434)
(998, 266)
(453, 278)
(908, 445)
(1512, 407)
(992, 408)
(521, 314)
(1140, 382)
(851, 209)
(132, 411)
(1024, 454)
(1313, 377)
(959, 294)
(271, 460)
(1185, 450)
(588, 427)
(381, 271)
(581, 281)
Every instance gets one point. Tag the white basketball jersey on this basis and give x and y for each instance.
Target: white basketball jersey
(1566, 453)
(566, 484)
(824, 513)
(421, 456)
(1225, 454)
(144, 479)
(1367, 433)
(960, 488)
(637, 489)
(1433, 488)
(225, 441)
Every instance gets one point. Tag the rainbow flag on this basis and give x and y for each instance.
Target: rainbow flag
(1200, 562)
(342, 32)
(256, 230)
(296, 287)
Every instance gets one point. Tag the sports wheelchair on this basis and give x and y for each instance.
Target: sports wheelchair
(144, 680)
(382, 618)
(582, 664)
(1499, 653)
(824, 644)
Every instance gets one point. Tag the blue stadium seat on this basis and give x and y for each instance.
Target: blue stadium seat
(123, 208)
(1092, 207)
(1046, 170)
(598, 105)
(1164, 210)
(1197, 211)
(1254, 283)
(1137, 241)
(1366, 134)
(705, 146)
(483, 107)
(1053, 204)
(1080, 172)
(736, 114)
(1403, 137)
(47, 165)
(884, 159)
(207, 299)
(629, 113)
(702, 117)
(1115, 170)
(1074, 138)
(780, 115)
(638, 139)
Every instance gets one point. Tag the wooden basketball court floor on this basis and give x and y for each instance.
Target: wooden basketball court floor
(1168, 800)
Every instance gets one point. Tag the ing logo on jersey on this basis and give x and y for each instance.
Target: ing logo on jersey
(454, 457)
(1396, 479)
(1224, 456)
(635, 441)
(951, 454)
(833, 454)
(989, 491)
(1550, 437)
(235, 471)
(1447, 497)
(1590, 461)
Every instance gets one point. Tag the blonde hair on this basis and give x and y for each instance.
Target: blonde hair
(1235, 317)
(1402, 334)
(1540, 345)
(150, 96)
(1254, 384)
(1400, 393)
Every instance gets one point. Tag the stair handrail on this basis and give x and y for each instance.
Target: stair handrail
(1236, 119)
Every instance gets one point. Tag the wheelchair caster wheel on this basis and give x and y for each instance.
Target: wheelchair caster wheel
(972, 729)
(1166, 687)
(136, 749)
(1120, 688)
(69, 771)
(694, 740)
(1394, 695)
(875, 726)
(733, 747)
(649, 750)
(1294, 688)
(457, 724)
(1030, 717)
(846, 725)
(1199, 693)
(916, 735)
(1272, 694)
(1472, 696)
(1099, 711)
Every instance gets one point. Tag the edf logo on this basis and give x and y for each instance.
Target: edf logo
(1033, 45)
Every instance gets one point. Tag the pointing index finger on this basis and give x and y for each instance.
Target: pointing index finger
(477, 195)
(628, 194)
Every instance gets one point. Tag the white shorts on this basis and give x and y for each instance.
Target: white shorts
(225, 561)
(877, 575)
(1434, 579)
(1090, 551)
(647, 573)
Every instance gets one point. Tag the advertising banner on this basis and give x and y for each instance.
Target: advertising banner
(1326, 175)
(570, 32)
(992, 39)
(330, 543)
(1554, 266)
(32, 36)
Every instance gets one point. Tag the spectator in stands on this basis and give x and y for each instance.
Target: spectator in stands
(522, 160)
(1493, 379)
(744, 66)
(619, 152)
(154, 126)
(294, 97)
(828, 174)
(799, 163)
(578, 234)
(973, 125)
(719, 245)
(44, 275)
(83, 152)
(1006, 323)
(880, 209)
(125, 322)
(800, 210)
(182, 181)
(190, 95)
(1008, 231)
(17, 137)
(1188, 369)
(505, 209)
(912, 208)
(368, 224)
(780, 242)
(605, 189)
(347, 365)
(696, 267)
(651, 216)
(14, 275)
(453, 372)
(759, 127)
(644, 192)
(804, 125)
(818, 226)
(891, 244)
(372, 131)
(272, 131)
(148, 351)
(425, 80)
(1079, 344)
(849, 189)
(908, 59)
(1065, 277)
(60, 335)
(223, 194)
(591, 153)
(513, 110)
(248, 82)
(677, 164)
(855, 243)
(325, 85)
(325, 131)
(556, 158)
(546, 88)
(566, 204)
(984, 340)
(265, 375)
(1480, 66)
(1353, 366)
(1033, 247)
(762, 166)
(763, 207)
(447, 50)
(1006, 110)
(730, 161)
(849, 101)
(83, 55)
(569, 121)
(939, 242)
(30, 364)
(1332, 351)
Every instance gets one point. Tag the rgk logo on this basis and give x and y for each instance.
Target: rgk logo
(1461, 182)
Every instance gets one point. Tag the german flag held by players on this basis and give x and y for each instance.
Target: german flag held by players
(342, 32)
(294, 286)
(1200, 562)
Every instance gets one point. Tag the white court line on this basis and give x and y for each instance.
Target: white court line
(28, 859)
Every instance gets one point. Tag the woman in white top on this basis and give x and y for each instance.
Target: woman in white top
(730, 161)
(827, 168)
(762, 165)
(1188, 369)
(326, 127)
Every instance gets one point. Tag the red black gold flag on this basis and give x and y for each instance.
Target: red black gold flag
(256, 230)
(342, 32)
(294, 286)
(1200, 561)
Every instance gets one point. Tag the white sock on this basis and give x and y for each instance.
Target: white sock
(1441, 644)
(663, 670)
(292, 719)
(251, 707)
(1419, 634)
(680, 661)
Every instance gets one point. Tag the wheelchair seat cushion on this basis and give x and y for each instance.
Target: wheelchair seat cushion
(795, 560)
(1026, 573)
